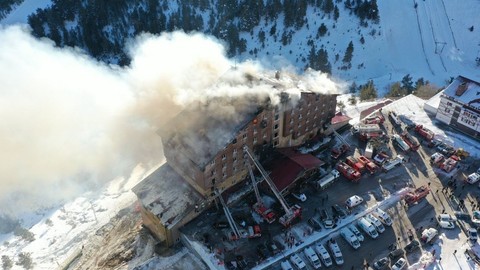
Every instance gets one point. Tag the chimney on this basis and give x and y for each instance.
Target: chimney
(461, 89)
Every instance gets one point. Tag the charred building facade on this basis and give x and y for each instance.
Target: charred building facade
(208, 163)
(203, 146)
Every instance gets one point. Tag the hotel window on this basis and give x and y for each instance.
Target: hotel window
(277, 116)
(275, 135)
(276, 126)
(224, 157)
(255, 140)
(245, 135)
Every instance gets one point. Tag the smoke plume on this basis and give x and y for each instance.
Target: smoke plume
(71, 123)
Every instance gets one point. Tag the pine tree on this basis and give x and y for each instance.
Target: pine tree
(336, 13)
(368, 91)
(347, 58)
(407, 83)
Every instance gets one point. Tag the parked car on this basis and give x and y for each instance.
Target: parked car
(299, 196)
(355, 231)
(272, 247)
(354, 201)
(381, 264)
(326, 219)
(412, 246)
(315, 224)
(400, 264)
(298, 262)
(221, 225)
(472, 234)
(338, 211)
(262, 251)
(429, 234)
(460, 215)
(396, 254)
(286, 265)
(446, 221)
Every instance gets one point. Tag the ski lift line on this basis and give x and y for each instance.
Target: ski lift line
(449, 24)
(228, 214)
(269, 181)
(421, 39)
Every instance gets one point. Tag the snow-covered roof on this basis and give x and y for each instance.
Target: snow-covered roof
(464, 90)
(167, 195)
(432, 104)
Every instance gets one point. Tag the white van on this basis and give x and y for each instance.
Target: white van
(378, 225)
(383, 216)
(298, 262)
(337, 253)
(286, 265)
(355, 231)
(473, 178)
(312, 257)
(350, 238)
(323, 255)
(368, 227)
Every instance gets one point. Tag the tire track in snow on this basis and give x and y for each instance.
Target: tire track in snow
(421, 39)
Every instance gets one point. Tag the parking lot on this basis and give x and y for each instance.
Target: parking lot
(408, 221)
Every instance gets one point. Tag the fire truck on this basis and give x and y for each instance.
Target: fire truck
(375, 118)
(410, 140)
(267, 214)
(449, 164)
(416, 195)
(291, 212)
(371, 167)
(355, 164)
(368, 131)
(424, 132)
(235, 232)
(337, 151)
(348, 172)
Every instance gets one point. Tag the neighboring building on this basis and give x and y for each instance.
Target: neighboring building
(339, 122)
(460, 106)
(203, 146)
(431, 106)
(163, 213)
(367, 112)
(293, 167)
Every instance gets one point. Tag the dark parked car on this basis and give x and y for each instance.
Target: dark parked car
(221, 225)
(463, 216)
(263, 251)
(272, 247)
(381, 264)
(412, 246)
(326, 219)
(397, 253)
(316, 225)
(339, 211)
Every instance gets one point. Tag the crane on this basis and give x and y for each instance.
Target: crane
(290, 212)
(259, 207)
(228, 214)
(236, 233)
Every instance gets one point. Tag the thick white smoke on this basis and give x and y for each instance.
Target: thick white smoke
(70, 123)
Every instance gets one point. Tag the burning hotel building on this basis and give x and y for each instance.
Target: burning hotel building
(203, 146)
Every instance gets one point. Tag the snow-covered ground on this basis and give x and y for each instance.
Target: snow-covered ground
(20, 14)
(61, 232)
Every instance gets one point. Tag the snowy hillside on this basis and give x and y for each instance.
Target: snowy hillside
(432, 41)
